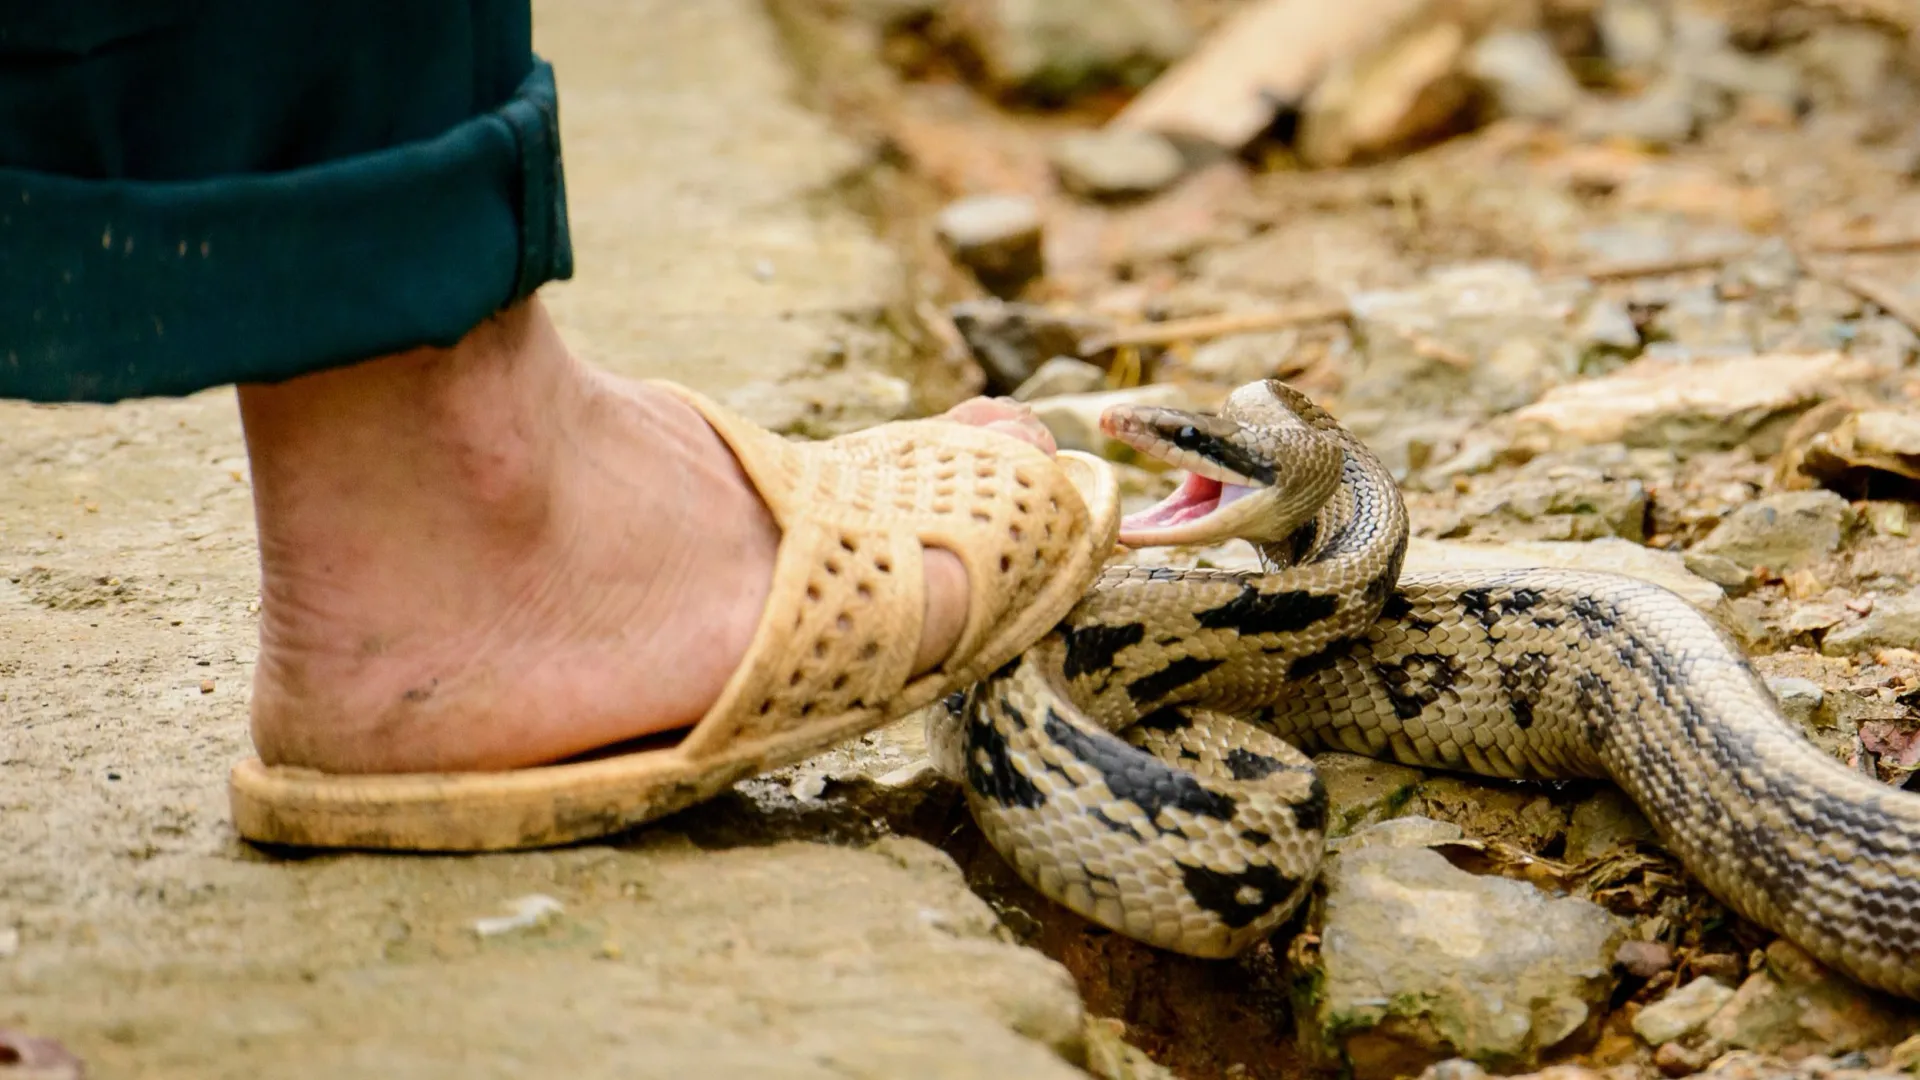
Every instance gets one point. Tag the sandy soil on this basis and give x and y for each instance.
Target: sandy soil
(135, 926)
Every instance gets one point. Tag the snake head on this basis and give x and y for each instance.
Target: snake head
(1255, 471)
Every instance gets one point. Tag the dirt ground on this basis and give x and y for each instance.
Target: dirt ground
(741, 215)
(137, 929)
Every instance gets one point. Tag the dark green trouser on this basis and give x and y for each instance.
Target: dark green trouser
(202, 192)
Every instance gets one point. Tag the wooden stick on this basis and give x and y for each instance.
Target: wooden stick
(1884, 293)
(1204, 327)
(1865, 245)
(1625, 269)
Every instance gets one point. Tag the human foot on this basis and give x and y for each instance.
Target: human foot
(492, 556)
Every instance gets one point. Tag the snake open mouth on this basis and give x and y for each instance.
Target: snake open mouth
(1195, 498)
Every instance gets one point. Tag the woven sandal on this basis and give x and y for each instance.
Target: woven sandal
(830, 660)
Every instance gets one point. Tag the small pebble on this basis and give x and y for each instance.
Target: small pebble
(1643, 959)
(206, 686)
(1116, 163)
(528, 912)
(1800, 699)
(1062, 375)
(1524, 74)
(1723, 966)
(1673, 1059)
(995, 236)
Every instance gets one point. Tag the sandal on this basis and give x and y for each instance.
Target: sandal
(831, 657)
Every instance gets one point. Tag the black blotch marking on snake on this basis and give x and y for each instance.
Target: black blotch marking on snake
(1479, 604)
(1116, 826)
(997, 778)
(1302, 539)
(1316, 662)
(1399, 608)
(1245, 764)
(1417, 681)
(1223, 893)
(1092, 648)
(1310, 813)
(1525, 680)
(1221, 452)
(1256, 837)
(1379, 590)
(1006, 670)
(1256, 612)
(1139, 778)
(1158, 684)
(1170, 718)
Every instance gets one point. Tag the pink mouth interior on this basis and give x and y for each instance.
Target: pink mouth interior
(1195, 498)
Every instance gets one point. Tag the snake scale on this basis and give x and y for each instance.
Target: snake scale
(1143, 765)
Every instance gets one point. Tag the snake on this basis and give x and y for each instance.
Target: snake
(1145, 763)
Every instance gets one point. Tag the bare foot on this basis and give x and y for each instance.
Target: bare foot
(492, 556)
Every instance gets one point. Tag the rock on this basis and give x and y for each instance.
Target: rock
(1524, 75)
(1847, 63)
(1633, 33)
(1906, 1056)
(1055, 49)
(1411, 831)
(1116, 163)
(1795, 1006)
(1362, 791)
(1801, 700)
(25, 1057)
(1062, 375)
(1720, 570)
(1074, 419)
(1662, 115)
(1682, 1012)
(1610, 554)
(1877, 448)
(1111, 1057)
(1399, 86)
(887, 14)
(823, 405)
(1643, 959)
(1418, 961)
(995, 236)
(1782, 532)
(1453, 1069)
(1894, 623)
(1771, 267)
(1676, 1059)
(1605, 332)
(1573, 505)
(1011, 341)
(1709, 405)
(1740, 75)
(1698, 323)
(1471, 340)
(1604, 823)
(1243, 358)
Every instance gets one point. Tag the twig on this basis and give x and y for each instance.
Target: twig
(1865, 245)
(1626, 269)
(1204, 327)
(1884, 293)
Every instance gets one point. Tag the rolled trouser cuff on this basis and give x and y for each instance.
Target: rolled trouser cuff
(113, 289)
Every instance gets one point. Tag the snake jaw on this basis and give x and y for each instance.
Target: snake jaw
(1190, 515)
(1212, 504)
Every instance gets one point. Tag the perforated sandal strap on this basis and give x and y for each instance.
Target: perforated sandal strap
(836, 641)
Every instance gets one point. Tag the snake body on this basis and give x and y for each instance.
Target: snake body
(1143, 764)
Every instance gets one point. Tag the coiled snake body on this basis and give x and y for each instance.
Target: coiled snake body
(1142, 765)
